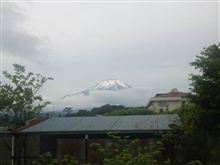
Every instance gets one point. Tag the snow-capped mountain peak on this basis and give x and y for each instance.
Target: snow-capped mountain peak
(106, 85)
(112, 85)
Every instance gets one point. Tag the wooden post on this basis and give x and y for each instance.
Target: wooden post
(12, 149)
(86, 148)
(24, 154)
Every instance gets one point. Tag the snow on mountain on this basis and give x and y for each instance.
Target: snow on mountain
(112, 85)
(106, 85)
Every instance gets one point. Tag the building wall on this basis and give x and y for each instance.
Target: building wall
(165, 105)
(32, 143)
(26, 148)
(5, 150)
(74, 147)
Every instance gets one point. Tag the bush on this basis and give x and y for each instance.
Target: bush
(47, 159)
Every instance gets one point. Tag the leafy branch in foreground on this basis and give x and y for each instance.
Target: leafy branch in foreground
(19, 97)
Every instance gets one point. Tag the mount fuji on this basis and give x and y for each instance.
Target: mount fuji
(106, 85)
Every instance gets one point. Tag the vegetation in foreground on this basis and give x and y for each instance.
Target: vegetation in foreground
(20, 98)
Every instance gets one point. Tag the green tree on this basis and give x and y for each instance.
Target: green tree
(206, 95)
(48, 159)
(67, 111)
(197, 138)
(45, 159)
(19, 97)
(206, 89)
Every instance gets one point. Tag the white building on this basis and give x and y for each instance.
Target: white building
(167, 101)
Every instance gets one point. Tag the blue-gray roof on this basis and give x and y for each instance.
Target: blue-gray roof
(104, 124)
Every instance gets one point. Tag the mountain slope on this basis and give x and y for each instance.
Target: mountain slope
(112, 85)
(106, 85)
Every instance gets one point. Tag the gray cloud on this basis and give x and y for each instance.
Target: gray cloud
(16, 40)
(128, 97)
(147, 45)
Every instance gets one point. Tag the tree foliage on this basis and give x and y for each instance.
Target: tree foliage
(197, 139)
(205, 85)
(206, 89)
(19, 97)
(47, 159)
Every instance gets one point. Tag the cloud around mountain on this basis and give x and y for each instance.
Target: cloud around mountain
(106, 85)
(128, 97)
(110, 91)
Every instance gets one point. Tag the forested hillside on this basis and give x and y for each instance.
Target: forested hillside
(111, 110)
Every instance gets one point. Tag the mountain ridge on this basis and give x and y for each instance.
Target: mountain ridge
(106, 85)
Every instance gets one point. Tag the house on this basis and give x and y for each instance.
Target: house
(167, 101)
(73, 135)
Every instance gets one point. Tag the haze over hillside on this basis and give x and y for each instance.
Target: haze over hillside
(110, 91)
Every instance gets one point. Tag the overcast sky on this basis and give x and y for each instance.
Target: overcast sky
(147, 45)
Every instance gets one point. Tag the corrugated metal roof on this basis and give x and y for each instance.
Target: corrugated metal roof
(173, 93)
(104, 124)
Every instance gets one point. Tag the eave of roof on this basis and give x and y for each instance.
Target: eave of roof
(172, 94)
(167, 99)
(28, 124)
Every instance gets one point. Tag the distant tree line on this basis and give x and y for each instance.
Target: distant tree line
(110, 110)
